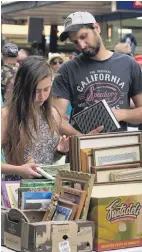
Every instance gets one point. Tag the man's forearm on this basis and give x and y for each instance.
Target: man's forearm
(133, 116)
(67, 129)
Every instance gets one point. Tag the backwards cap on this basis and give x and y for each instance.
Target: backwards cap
(75, 21)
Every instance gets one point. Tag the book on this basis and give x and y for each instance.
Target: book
(10, 193)
(39, 199)
(53, 169)
(35, 183)
(32, 189)
(96, 115)
(116, 211)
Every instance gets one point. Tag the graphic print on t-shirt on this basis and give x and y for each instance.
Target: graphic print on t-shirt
(99, 85)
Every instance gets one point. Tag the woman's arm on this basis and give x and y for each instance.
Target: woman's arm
(26, 170)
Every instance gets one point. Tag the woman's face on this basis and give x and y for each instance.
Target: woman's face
(43, 90)
(55, 64)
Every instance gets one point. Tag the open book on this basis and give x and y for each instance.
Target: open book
(95, 116)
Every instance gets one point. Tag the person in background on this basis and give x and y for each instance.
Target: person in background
(30, 125)
(55, 61)
(130, 40)
(123, 48)
(8, 69)
(96, 74)
(138, 58)
(22, 54)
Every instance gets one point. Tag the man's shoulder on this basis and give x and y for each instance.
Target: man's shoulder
(126, 58)
(73, 61)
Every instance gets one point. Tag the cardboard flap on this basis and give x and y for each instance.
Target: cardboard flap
(16, 215)
(34, 215)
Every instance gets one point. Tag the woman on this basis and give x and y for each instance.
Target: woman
(55, 61)
(30, 126)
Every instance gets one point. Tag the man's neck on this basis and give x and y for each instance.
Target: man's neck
(103, 54)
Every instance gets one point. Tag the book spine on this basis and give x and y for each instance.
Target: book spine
(111, 114)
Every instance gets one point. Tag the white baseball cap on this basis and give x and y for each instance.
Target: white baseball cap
(75, 21)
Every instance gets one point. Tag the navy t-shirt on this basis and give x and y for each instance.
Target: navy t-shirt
(84, 81)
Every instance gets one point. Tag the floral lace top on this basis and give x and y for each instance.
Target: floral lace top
(43, 147)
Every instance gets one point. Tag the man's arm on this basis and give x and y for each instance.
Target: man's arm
(133, 116)
(61, 105)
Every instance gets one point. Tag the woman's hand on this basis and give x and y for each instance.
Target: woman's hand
(63, 145)
(29, 170)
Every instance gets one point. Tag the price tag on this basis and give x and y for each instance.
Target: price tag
(64, 246)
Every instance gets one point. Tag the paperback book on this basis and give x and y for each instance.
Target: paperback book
(35, 200)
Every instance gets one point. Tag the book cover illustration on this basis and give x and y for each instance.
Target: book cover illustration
(95, 116)
(35, 200)
(10, 193)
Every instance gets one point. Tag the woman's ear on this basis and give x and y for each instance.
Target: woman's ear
(97, 28)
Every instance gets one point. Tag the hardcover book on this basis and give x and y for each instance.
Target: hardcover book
(95, 116)
(116, 211)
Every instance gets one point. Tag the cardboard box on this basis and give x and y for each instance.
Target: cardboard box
(117, 218)
(4, 212)
(54, 236)
(13, 222)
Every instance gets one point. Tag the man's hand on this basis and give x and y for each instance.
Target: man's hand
(120, 114)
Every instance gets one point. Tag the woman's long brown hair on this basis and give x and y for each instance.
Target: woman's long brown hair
(22, 111)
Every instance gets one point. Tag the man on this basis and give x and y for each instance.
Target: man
(8, 69)
(96, 74)
(22, 54)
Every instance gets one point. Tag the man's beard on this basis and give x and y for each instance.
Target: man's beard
(93, 51)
